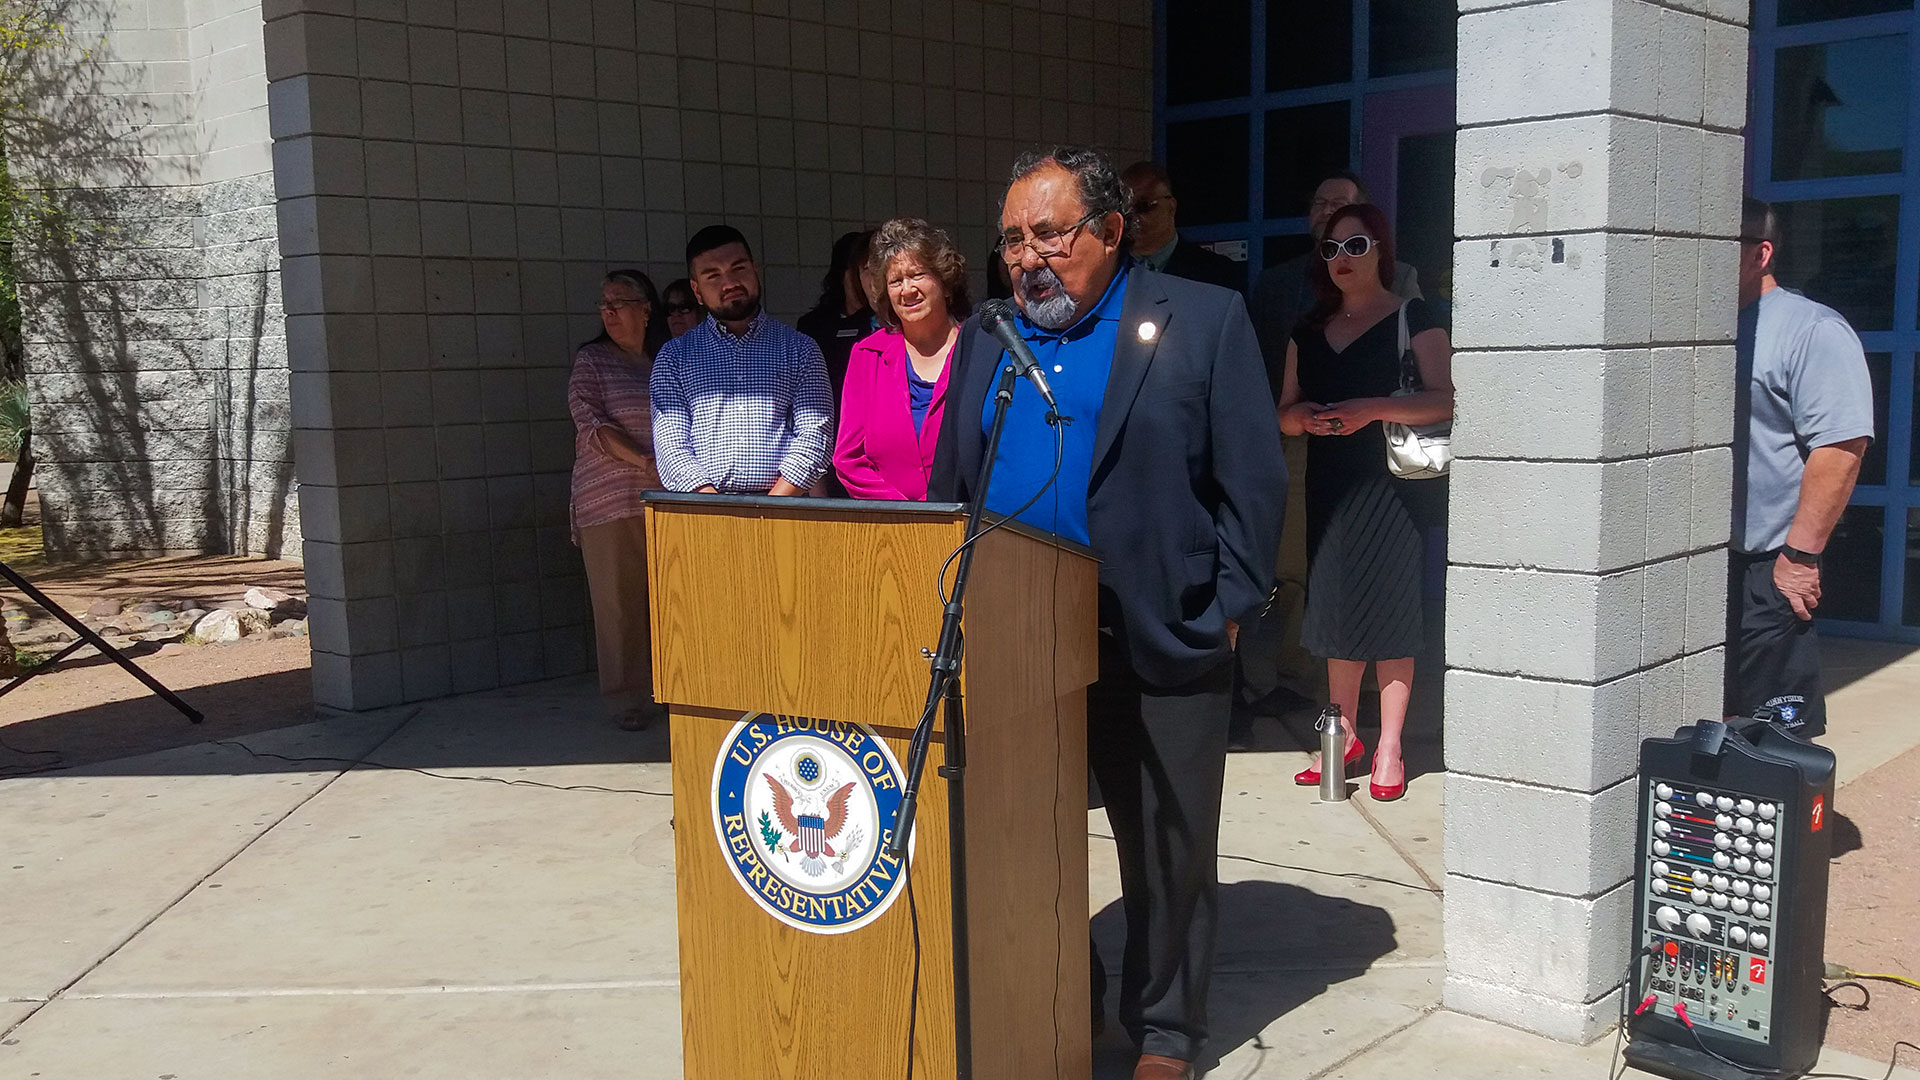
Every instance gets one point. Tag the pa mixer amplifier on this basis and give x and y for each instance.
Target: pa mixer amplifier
(1730, 902)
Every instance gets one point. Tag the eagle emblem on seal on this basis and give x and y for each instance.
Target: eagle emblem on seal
(815, 826)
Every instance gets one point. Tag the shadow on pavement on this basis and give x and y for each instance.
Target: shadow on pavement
(1283, 946)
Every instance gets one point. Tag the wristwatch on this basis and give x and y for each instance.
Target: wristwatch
(1804, 558)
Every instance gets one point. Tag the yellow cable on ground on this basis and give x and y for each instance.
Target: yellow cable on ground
(1901, 979)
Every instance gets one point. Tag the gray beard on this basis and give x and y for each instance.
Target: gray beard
(1054, 312)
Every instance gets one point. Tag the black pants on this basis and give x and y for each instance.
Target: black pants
(1160, 755)
(1773, 655)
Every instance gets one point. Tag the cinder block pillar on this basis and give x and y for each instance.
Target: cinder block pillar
(1597, 209)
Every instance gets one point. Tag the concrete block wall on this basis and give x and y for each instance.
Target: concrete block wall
(453, 181)
(1597, 209)
(150, 286)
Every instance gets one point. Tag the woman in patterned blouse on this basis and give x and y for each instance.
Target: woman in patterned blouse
(612, 465)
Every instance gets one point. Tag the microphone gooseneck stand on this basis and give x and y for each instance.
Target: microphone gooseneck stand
(943, 687)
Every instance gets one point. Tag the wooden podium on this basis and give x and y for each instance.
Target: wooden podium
(787, 638)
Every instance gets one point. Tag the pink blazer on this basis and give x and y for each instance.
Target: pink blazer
(877, 454)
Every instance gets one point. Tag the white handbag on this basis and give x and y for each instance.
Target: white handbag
(1416, 452)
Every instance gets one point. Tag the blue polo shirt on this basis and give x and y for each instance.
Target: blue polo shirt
(1077, 361)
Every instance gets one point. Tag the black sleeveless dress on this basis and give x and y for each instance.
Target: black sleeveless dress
(1366, 551)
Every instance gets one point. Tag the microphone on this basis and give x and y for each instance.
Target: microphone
(996, 317)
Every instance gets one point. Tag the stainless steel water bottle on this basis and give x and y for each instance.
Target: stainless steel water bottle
(1333, 755)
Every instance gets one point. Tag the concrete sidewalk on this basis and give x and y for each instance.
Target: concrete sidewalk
(207, 913)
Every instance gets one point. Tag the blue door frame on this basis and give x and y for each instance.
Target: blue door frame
(1898, 494)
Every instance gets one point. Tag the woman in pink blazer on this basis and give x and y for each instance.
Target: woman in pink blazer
(896, 388)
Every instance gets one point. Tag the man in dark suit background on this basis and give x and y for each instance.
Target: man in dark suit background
(1171, 471)
(1156, 240)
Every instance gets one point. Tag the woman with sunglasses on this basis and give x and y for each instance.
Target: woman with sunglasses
(1365, 543)
(683, 308)
(613, 464)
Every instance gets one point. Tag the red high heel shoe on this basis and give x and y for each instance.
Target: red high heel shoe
(1310, 776)
(1383, 793)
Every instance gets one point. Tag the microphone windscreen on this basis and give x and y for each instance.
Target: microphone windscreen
(994, 313)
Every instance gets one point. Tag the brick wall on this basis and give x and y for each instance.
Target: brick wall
(454, 180)
(156, 358)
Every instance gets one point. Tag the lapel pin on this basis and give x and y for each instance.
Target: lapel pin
(1148, 331)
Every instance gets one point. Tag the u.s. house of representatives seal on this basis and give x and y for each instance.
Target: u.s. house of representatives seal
(804, 810)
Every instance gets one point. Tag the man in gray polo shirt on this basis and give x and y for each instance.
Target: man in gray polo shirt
(1803, 416)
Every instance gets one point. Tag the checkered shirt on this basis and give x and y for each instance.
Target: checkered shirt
(741, 413)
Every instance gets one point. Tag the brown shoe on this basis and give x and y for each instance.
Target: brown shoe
(1155, 1067)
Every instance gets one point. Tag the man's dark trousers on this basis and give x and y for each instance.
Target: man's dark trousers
(1773, 655)
(1159, 755)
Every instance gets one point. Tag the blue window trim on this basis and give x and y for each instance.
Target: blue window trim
(1898, 495)
(1255, 106)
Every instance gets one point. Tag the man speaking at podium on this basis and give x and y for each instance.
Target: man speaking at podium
(1172, 472)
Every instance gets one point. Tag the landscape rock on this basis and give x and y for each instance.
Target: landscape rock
(226, 625)
(192, 613)
(274, 600)
(129, 624)
(104, 609)
(289, 628)
(148, 608)
(162, 616)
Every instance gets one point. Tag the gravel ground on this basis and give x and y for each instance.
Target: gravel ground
(1873, 913)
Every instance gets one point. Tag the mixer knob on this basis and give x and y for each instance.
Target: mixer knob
(1745, 806)
(1722, 841)
(1761, 911)
(1766, 811)
(1741, 888)
(1719, 900)
(1699, 925)
(1763, 892)
(1667, 917)
(1702, 897)
(1661, 887)
(1704, 799)
(1737, 934)
(1722, 860)
(1724, 821)
(1742, 864)
(1660, 869)
(1662, 828)
(1740, 905)
(1661, 847)
(1724, 802)
(1743, 845)
(1759, 939)
(1744, 824)
(1763, 868)
(1700, 877)
(1720, 883)
(1765, 830)
(1763, 849)
(1663, 791)
(1661, 809)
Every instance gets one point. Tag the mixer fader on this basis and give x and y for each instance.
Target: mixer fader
(1712, 859)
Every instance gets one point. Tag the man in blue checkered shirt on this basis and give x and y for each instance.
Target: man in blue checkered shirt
(740, 402)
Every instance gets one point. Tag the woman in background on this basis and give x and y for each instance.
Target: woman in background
(844, 312)
(896, 383)
(612, 465)
(1365, 547)
(683, 308)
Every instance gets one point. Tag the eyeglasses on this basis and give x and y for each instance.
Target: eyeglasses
(682, 309)
(621, 305)
(1356, 245)
(1148, 206)
(1044, 245)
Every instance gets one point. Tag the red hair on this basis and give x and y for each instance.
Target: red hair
(1326, 295)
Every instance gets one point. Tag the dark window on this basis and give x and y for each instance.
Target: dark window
(1409, 36)
(1309, 43)
(1209, 162)
(1304, 145)
(1840, 109)
(1279, 249)
(1911, 616)
(1806, 11)
(1841, 252)
(1209, 50)
(1873, 467)
(1850, 570)
(1424, 206)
